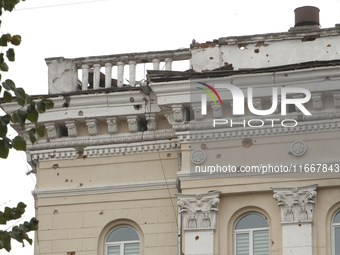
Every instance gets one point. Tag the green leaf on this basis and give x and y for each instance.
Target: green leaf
(40, 130)
(4, 67)
(32, 116)
(19, 143)
(16, 40)
(48, 103)
(3, 130)
(4, 39)
(19, 117)
(7, 96)
(5, 120)
(9, 85)
(41, 107)
(10, 54)
(5, 241)
(4, 150)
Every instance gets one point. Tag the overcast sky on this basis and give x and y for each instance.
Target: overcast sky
(79, 28)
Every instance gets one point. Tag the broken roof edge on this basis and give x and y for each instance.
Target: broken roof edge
(293, 34)
(139, 57)
(155, 76)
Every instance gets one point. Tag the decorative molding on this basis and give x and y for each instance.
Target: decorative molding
(112, 125)
(104, 189)
(151, 121)
(197, 108)
(71, 128)
(298, 148)
(198, 157)
(200, 210)
(336, 99)
(317, 101)
(217, 110)
(133, 123)
(92, 126)
(179, 113)
(81, 142)
(53, 130)
(296, 204)
(105, 151)
(215, 134)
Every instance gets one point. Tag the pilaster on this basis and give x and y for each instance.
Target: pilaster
(297, 210)
(199, 221)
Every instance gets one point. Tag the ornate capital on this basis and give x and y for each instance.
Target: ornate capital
(199, 211)
(296, 204)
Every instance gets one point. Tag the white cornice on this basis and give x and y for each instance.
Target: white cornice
(104, 189)
(81, 142)
(105, 150)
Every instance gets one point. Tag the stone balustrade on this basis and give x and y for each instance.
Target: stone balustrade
(63, 73)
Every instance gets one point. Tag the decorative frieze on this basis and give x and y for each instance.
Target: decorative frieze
(151, 121)
(133, 123)
(105, 150)
(71, 126)
(92, 126)
(52, 130)
(296, 204)
(200, 210)
(112, 125)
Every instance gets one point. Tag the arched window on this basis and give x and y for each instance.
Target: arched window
(122, 241)
(336, 233)
(252, 235)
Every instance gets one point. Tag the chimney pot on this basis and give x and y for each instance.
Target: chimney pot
(306, 16)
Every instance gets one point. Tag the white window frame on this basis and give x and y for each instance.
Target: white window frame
(334, 226)
(121, 243)
(250, 231)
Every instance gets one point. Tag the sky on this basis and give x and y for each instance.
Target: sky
(80, 28)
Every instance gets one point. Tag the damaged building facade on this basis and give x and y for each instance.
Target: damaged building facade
(140, 168)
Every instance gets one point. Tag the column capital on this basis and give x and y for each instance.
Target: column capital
(199, 210)
(296, 204)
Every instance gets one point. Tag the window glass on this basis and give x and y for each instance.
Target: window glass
(122, 234)
(337, 218)
(252, 221)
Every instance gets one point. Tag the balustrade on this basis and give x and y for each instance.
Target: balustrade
(63, 73)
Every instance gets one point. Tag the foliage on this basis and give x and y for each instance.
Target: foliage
(18, 233)
(28, 110)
